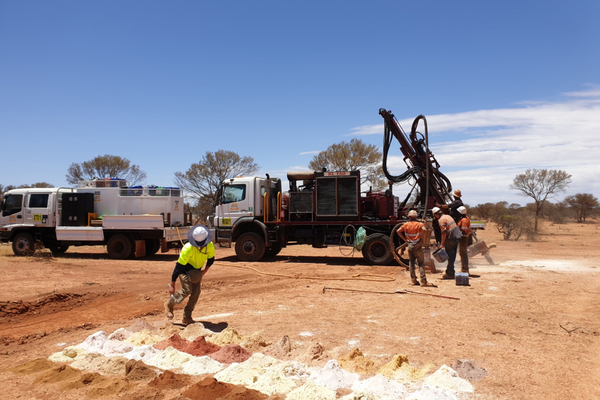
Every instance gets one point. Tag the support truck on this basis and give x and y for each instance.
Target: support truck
(129, 221)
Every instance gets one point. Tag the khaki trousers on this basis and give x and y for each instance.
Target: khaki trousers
(463, 244)
(190, 286)
(415, 255)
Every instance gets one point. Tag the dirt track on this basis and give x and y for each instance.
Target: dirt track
(531, 321)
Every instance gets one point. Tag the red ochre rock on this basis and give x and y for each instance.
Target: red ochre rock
(211, 389)
(230, 354)
(199, 347)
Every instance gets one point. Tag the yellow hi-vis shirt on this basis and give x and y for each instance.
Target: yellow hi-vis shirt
(195, 256)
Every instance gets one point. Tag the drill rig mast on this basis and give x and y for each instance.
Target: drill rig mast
(433, 186)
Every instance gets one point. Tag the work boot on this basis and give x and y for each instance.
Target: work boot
(168, 310)
(427, 284)
(446, 276)
(187, 320)
(415, 282)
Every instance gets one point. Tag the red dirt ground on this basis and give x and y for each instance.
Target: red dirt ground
(531, 320)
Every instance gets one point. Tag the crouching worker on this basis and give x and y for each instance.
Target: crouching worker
(197, 251)
(412, 234)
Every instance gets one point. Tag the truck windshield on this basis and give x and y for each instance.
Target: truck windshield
(234, 193)
(12, 204)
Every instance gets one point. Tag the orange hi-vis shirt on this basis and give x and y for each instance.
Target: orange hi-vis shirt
(412, 230)
(465, 226)
(448, 225)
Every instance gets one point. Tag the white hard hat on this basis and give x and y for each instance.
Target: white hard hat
(462, 210)
(200, 233)
(436, 210)
(412, 213)
(199, 236)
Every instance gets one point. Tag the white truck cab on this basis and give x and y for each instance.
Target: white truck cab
(242, 197)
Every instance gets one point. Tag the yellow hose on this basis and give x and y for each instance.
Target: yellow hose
(357, 277)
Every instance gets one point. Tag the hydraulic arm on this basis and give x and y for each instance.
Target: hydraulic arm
(434, 187)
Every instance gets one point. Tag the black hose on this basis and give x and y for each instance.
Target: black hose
(405, 176)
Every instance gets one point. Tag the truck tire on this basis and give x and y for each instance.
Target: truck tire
(376, 249)
(58, 249)
(119, 247)
(152, 246)
(250, 247)
(23, 244)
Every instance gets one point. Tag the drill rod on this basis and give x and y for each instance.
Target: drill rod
(403, 291)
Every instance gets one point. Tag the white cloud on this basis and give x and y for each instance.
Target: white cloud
(482, 151)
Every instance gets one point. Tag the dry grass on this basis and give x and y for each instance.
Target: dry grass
(5, 250)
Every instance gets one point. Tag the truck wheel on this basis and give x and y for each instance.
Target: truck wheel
(273, 251)
(152, 246)
(376, 249)
(23, 244)
(250, 247)
(119, 247)
(58, 249)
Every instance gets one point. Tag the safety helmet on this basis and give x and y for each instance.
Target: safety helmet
(436, 210)
(412, 213)
(457, 193)
(462, 210)
(199, 236)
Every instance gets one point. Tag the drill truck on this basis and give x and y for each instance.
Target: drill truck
(325, 208)
(129, 221)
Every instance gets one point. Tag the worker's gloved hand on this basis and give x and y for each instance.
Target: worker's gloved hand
(171, 288)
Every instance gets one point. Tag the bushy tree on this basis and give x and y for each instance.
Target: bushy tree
(500, 208)
(37, 185)
(105, 166)
(558, 212)
(514, 226)
(354, 156)
(483, 211)
(202, 180)
(540, 185)
(34, 185)
(583, 204)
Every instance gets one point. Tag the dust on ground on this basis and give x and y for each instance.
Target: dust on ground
(530, 321)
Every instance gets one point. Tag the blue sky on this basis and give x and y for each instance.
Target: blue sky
(505, 86)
